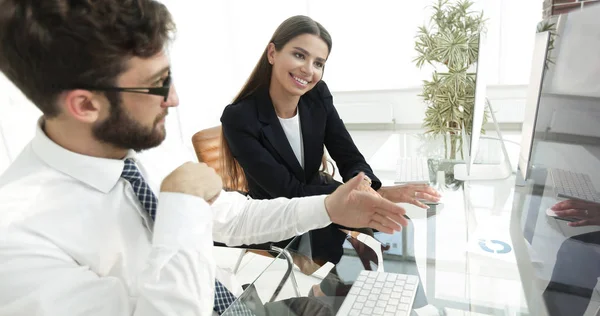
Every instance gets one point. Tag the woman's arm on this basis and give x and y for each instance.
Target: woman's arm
(340, 145)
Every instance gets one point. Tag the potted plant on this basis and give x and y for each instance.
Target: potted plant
(450, 43)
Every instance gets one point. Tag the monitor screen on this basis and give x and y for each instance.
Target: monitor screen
(480, 100)
(472, 132)
(538, 65)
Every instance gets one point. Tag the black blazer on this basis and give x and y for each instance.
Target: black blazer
(258, 142)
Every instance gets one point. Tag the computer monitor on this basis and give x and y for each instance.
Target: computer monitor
(538, 66)
(480, 99)
(561, 144)
(469, 170)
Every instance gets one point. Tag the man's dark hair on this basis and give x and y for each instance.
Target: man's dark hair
(49, 46)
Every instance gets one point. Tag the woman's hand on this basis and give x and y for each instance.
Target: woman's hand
(588, 213)
(365, 186)
(410, 193)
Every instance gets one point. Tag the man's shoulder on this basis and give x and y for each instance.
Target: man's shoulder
(19, 168)
(23, 184)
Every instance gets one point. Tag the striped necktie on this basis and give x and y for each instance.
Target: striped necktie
(223, 297)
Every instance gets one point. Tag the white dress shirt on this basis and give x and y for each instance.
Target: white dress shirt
(75, 240)
(293, 131)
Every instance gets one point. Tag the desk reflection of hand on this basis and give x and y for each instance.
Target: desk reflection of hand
(410, 193)
(587, 212)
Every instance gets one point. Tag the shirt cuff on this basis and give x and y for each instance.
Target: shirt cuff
(182, 220)
(313, 213)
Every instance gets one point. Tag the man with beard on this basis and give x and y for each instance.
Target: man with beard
(81, 231)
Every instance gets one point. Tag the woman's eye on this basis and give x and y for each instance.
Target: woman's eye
(319, 65)
(298, 55)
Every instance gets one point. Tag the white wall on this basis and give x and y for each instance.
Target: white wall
(373, 49)
(369, 71)
(405, 108)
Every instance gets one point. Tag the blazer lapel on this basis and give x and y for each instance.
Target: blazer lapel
(312, 122)
(275, 134)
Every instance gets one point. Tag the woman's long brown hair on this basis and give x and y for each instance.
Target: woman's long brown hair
(231, 171)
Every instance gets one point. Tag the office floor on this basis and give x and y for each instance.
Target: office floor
(495, 282)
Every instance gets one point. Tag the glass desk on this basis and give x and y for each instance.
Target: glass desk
(460, 248)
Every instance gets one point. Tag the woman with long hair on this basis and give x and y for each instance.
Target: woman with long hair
(275, 131)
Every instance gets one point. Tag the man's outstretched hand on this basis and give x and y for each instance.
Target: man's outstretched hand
(350, 207)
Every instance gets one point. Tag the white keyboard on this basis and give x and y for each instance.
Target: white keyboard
(574, 185)
(380, 293)
(412, 170)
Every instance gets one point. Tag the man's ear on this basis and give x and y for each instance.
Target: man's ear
(82, 105)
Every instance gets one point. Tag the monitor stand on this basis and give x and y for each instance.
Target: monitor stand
(519, 181)
(499, 171)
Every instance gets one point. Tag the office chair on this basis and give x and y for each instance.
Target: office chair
(207, 145)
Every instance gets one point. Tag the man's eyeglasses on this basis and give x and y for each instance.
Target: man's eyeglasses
(162, 91)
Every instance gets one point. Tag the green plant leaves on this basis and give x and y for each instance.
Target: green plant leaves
(450, 43)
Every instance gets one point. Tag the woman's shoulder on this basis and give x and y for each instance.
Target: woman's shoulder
(320, 91)
(320, 95)
(239, 111)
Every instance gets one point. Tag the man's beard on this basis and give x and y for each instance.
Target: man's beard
(122, 131)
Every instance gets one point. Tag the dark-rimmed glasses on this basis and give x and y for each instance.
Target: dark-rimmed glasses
(161, 91)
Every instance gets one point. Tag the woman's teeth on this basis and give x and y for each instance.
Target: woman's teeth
(304, 82)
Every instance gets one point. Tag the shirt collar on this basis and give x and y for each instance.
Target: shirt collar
(100, 173)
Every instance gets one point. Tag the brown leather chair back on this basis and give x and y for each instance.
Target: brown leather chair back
(207, 144)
